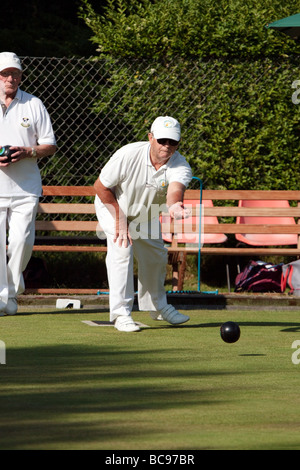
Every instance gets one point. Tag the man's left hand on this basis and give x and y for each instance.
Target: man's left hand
(177, 211)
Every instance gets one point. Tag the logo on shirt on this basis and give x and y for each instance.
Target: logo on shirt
(162, 184)
(25, 122)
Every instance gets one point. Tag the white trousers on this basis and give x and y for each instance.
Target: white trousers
(151, 257)
(17, 216)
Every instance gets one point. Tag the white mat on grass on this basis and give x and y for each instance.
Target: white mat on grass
(108, 323)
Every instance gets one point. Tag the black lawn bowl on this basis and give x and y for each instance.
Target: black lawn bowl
(230, 332)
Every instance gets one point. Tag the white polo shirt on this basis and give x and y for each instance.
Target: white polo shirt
(135, 182)
(26, 123)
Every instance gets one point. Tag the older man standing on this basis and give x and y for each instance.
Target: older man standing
(26, 129)
(131, 190)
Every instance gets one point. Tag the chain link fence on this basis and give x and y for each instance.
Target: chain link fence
(96, 106)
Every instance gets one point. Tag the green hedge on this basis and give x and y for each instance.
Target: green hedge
(214, 66)
(163, 29)
(240, 125)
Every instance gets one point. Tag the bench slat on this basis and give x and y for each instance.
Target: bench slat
(70, 248)
(64, 291)
(69, 191)
(189, 194)
(66, 225)
(81, 208)
(61, 208)
(228, 194)
(229, 228)
(247, 211)
(235, 250)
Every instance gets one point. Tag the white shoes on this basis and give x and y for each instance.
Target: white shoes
(170, 314)
(126, 323)
(11, 307)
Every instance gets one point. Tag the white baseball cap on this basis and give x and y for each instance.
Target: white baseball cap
(166, 127)
(9, 60)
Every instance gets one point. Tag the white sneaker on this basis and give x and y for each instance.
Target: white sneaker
(11, 307)
(126, 323)
(172, 316)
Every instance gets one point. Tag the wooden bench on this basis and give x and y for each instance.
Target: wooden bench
(226, 210)
(70, 209)
(66, 210)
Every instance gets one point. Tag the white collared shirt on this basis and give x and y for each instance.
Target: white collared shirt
(24, 123)
(137, 185)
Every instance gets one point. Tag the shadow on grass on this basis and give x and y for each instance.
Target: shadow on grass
(82, 395)
(66, 311)
(68, 396)
(288, 327)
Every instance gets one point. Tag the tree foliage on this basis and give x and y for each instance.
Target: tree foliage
(240, 129)
(190, 28)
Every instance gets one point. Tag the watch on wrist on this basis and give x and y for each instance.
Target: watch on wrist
(33, 152)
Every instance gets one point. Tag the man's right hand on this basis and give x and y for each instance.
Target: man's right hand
(122, 235)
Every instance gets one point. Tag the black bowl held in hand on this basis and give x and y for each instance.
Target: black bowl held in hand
(6, 152)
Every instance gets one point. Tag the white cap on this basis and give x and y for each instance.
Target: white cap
(166, 127)
(9, 60)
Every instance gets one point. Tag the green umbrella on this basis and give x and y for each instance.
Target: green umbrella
(289, 26)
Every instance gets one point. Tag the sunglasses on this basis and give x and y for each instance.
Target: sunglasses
(171, 142)
(14, 75)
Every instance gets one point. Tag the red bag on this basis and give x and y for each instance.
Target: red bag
(259, 276)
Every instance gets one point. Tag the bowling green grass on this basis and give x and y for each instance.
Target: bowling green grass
(69, 385)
